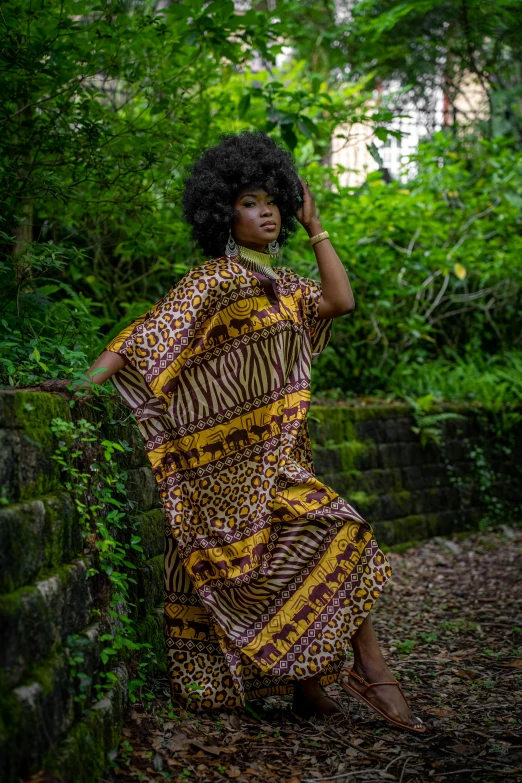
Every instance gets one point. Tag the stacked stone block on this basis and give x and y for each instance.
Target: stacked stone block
(407, 491)
(50, 609)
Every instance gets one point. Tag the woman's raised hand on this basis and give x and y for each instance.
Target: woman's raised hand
(307, 214)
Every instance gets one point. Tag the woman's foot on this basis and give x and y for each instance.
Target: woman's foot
(369, 664)
(387, 698)
(311, 700)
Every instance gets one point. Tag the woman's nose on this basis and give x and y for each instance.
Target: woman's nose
(266, 210)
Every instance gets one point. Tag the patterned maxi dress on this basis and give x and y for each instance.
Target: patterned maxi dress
(268, 571)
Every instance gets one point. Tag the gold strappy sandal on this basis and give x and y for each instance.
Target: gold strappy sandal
(348, 688)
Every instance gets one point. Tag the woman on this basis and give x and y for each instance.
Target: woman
(268, 572)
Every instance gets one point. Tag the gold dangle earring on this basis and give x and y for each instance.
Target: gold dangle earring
(231, 250)
(273, 248)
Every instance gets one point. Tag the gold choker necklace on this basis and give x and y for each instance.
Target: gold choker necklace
(259, 262)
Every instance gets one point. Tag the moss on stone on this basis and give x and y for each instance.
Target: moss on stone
(150, 526)
(62, 535)
(40, 485)
(410, 527)
(21, 534)
(362, 500)
(332, 423)
(142, 489)
(81, 757)
(375, 481)
(11, 603)
(36, 537)
(344, 482)
(151, 630)
(34, 412)
(61, 570)
(151, 578)
(13, 607)
(10, 713)
(366, 412)
(352, 451)
(39, 721)
(35, 618)
(432, 524)
(416, 542)
(345, 455)
(45, 672)
(414, 527)
(338, 422)
(402, 500)
(21, 718)
(402, 547)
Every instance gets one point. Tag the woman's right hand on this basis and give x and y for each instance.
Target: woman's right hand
(59, 386)
(56, 384)
(107, 363)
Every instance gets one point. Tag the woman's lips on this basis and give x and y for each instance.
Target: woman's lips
(268, 225)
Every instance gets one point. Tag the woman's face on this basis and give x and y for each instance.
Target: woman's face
(259, 219)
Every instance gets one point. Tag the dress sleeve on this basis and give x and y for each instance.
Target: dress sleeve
(156, 345)
(320, 329)
(130, 380)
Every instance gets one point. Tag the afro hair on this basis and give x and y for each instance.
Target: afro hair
(246, 159)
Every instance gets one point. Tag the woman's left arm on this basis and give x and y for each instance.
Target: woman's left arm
(337, 297)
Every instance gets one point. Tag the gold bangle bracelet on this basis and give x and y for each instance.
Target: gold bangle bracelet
(318, 237)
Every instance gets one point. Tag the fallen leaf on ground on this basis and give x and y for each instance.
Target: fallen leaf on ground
(235, 722)
(212, 749)
(178, 742)
(464, 750)
(442, 712)
(468, 674)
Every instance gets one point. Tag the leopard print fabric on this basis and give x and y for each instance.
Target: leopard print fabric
(268, 571)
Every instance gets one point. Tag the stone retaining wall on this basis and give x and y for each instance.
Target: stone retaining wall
(409, 491)
(49, 608)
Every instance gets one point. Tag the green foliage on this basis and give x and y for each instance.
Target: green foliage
(104, 108)
(97, 484)
(494, 381)
(434, 263)
(493, 475)
(433, 44)
(406, 646)
(428, 425)
(100, 107)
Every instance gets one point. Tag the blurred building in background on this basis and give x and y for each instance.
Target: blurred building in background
(359, 151)
(356, 148)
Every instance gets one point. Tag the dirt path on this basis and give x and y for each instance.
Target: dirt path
(450, 623)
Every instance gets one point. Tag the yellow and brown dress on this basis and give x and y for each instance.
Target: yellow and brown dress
(268, 571)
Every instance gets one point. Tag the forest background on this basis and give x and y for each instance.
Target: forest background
(105, 105)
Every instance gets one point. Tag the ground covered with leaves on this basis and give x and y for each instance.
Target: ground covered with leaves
(450, 625)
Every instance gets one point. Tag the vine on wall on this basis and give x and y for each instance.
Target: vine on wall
(497, 425)
(97, 484)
